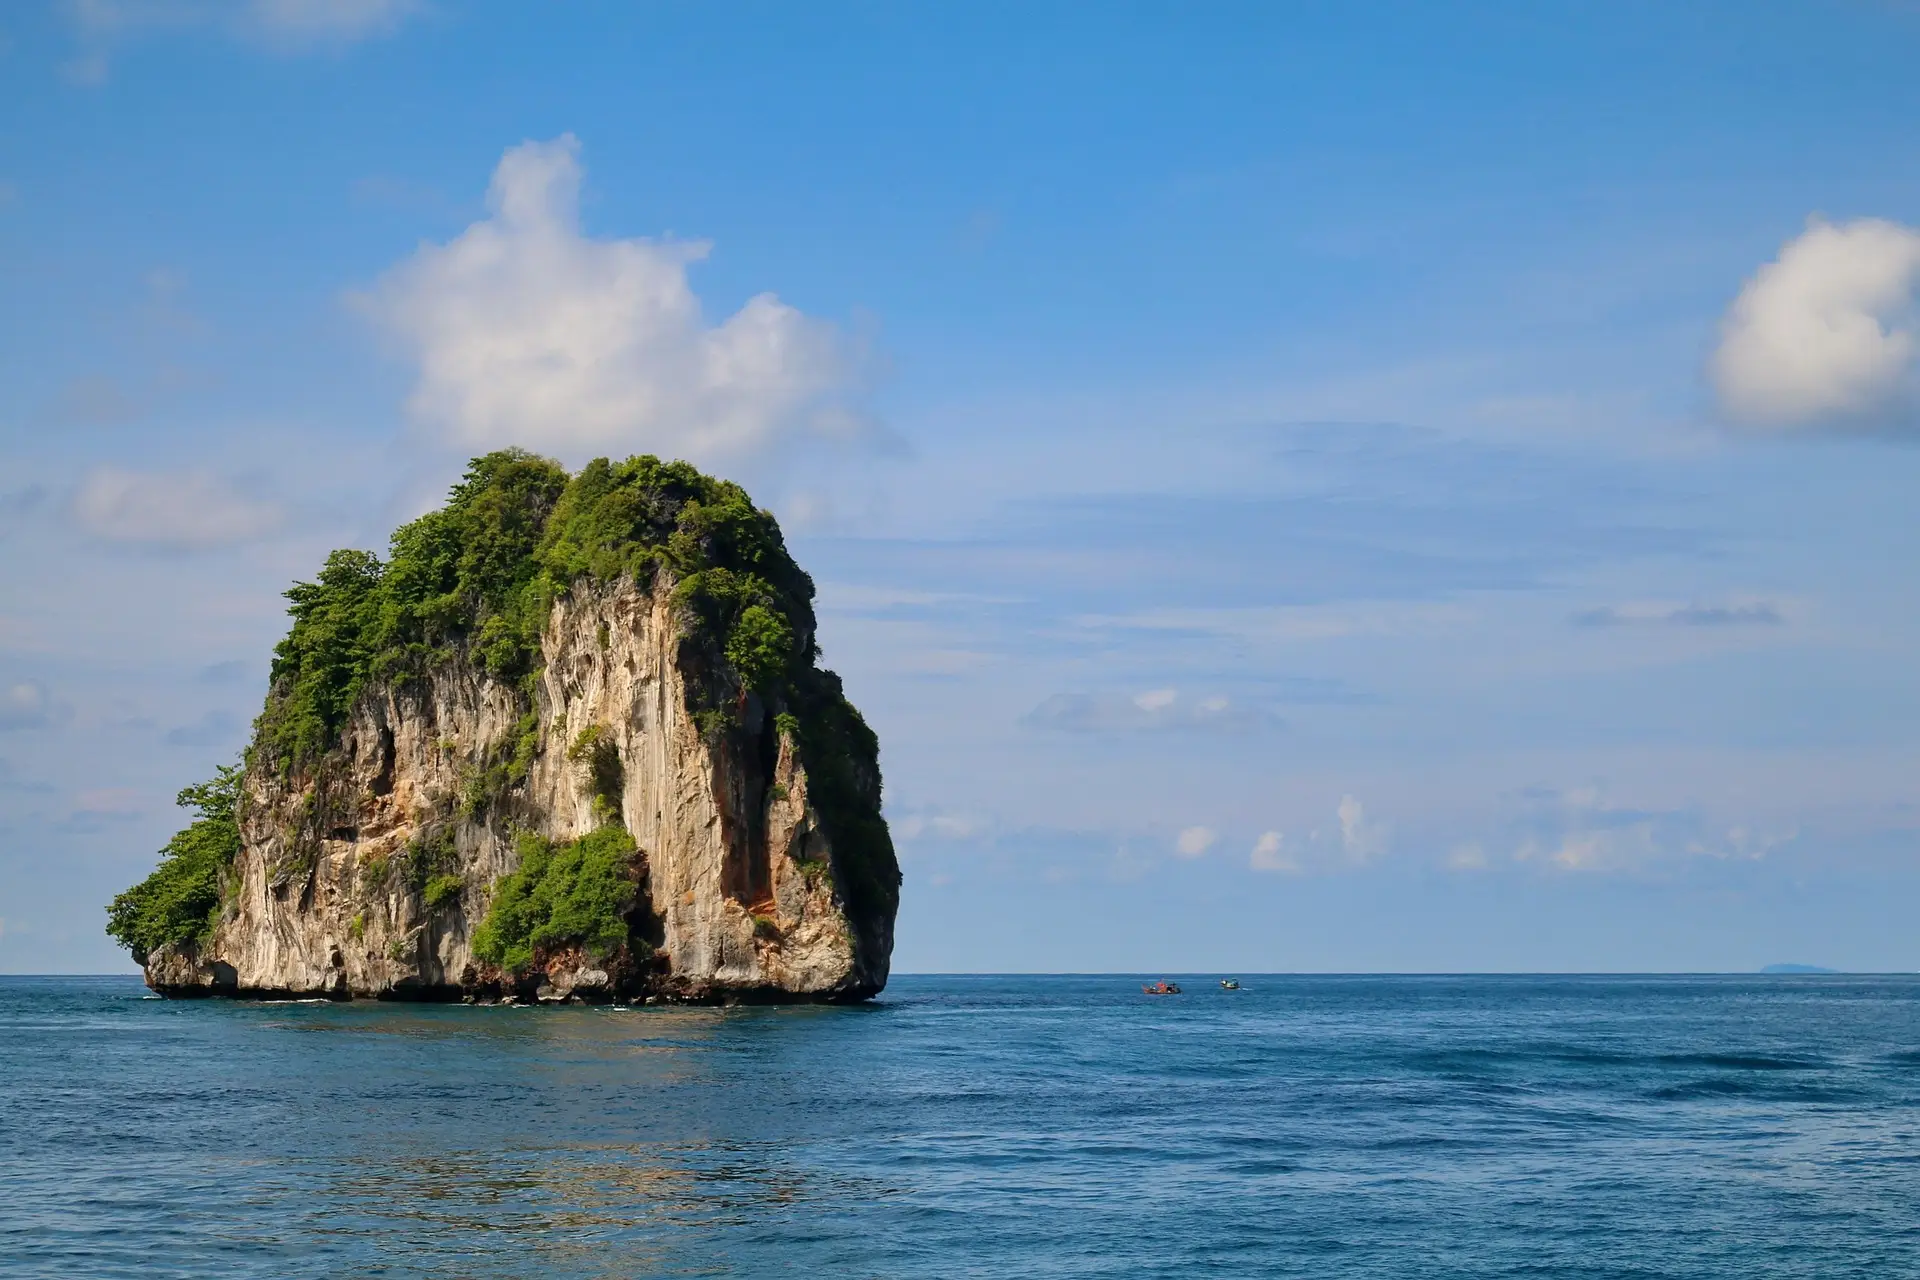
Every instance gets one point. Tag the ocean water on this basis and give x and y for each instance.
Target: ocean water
(992, 1126)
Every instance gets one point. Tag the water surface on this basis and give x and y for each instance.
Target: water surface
(1325, 1127)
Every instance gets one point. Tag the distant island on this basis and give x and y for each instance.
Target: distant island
(1797, 968)
(569, 741)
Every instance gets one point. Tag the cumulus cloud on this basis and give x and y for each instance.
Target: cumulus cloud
(1154, 709)
(1270, 853)
(1748, 613)
(188, 510)
(1194, 842)
(1354, 840)
(527, 331)
(1826, 334)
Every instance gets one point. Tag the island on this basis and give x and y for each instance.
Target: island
(570, 741)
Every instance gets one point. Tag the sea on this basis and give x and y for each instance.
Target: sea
(1324, 1127)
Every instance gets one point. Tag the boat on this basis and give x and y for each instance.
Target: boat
(1229, 984)
(1161, 988)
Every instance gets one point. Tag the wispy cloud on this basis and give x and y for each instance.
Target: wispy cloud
(183, 510)
(937, 825)
(28, 705)
(215, 728)
(18, 505)
(1152, 710)
(1751, 613)
(1580, 830)
(96, 400)
(282, 26)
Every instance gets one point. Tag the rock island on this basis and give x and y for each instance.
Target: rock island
(570, 740)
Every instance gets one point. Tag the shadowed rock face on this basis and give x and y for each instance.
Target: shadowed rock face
(744, 891)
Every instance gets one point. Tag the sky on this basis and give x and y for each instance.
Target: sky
(1305, 487)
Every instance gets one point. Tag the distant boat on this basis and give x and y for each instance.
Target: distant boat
(1161, 988)
(1229, 984)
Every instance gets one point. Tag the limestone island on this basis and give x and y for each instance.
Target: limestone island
(571, 741)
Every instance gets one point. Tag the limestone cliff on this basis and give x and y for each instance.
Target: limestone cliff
(372, 850)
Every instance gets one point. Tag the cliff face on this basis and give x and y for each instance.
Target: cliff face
(369, 870)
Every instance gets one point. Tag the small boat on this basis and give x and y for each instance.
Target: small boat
(1161, 988)
(1229, 984)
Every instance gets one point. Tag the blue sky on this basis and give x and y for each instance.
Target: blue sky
(1318, 487)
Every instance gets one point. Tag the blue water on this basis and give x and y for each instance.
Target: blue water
(1323, 1127)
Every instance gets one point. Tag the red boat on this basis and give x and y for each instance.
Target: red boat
(1161, 988)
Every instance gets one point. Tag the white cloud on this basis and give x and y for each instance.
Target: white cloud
(1729, 613)
(1194, 841)
(1580, 830)
(937, 825)
(191, 509)
(1361, 838)
(1825, 335)
(529, 332)
(1270, 854)
(1467, 857)
(26, 705)
(292, 25)
(303, 23)
(1153, 709)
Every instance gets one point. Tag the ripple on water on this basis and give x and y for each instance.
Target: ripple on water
(1340, 1127)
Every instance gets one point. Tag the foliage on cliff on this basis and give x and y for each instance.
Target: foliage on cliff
(574, 894)
(479, 576)
(180, 901)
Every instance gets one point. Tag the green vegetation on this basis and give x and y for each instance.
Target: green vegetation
(179, 903)
(842, 759)
(596, 749)
(375, 868)
(573, 894)
(478, 577)
(506, 766)
(427, 856)
(357, 927)
(441, 890)
(464, 578)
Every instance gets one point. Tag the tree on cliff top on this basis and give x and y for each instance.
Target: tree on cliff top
(177, 904)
